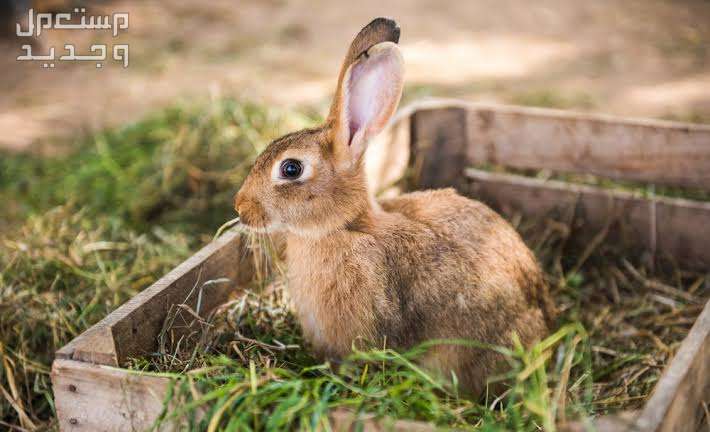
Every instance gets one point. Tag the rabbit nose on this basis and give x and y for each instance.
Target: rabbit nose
(250, 211)
(245, 203)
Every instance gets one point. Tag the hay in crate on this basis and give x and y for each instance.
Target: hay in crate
(635, 316)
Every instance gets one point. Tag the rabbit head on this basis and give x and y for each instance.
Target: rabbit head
(312, 181)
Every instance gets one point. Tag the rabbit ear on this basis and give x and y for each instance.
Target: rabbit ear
(369, 89)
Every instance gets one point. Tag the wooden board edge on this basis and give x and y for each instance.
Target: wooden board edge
(478, 174)
(446, 103)
(103, 347)
(97, 397)
(189, 264)
(674, 228)
(684, 385)
(346, 420)
(438, 147)
(618, 422)
(97, 344)
(639, 150)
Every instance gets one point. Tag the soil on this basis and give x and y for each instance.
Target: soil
(630, 58)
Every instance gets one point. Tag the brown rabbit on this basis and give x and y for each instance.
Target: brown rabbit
(425, 265)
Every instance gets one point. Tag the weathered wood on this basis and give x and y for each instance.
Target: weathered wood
(675, 228)
(132, 329)
(438, 146)
(620, 422)
(95, 345)
(92, 397)
(652, 151)
(346, 420)
(647, 151)
(676, 402)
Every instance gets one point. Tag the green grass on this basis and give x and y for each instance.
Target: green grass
(179, 167)
(553, 99)
(247, 366)
(381, 382)
(60, 273)
(84, 231)
(689, 116)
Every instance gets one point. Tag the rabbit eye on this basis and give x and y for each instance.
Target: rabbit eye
(291, 169)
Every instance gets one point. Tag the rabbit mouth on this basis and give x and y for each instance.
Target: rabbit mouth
(256, 220)
(251, 213)
(253, 221)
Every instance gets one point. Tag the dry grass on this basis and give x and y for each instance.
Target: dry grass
(60, 273)
(634, 318)
(83, 232)
(635, 314)
(134, 202)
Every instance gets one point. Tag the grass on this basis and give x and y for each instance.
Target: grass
(553, 99)
(83, 232)
(382, 382)
(60, 273)
(620, 324)
(178, 168)
(86, 230)
(246, 366)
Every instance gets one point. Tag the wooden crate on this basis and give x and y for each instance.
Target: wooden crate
(436, 143)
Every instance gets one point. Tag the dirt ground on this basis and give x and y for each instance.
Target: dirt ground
(630, 58)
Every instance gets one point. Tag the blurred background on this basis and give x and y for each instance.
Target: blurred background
(629, 58)
(111, 176)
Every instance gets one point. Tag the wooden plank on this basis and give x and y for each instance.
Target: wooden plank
(132, 329)
(438, 146)
(95, 345)
(346, 420)
(619, 422)
(647, 151)
(651, 151)
(93, 397)
(675, 228)
(99, 398)
(676, 403)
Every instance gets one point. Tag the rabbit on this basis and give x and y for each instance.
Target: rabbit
(424, 265)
